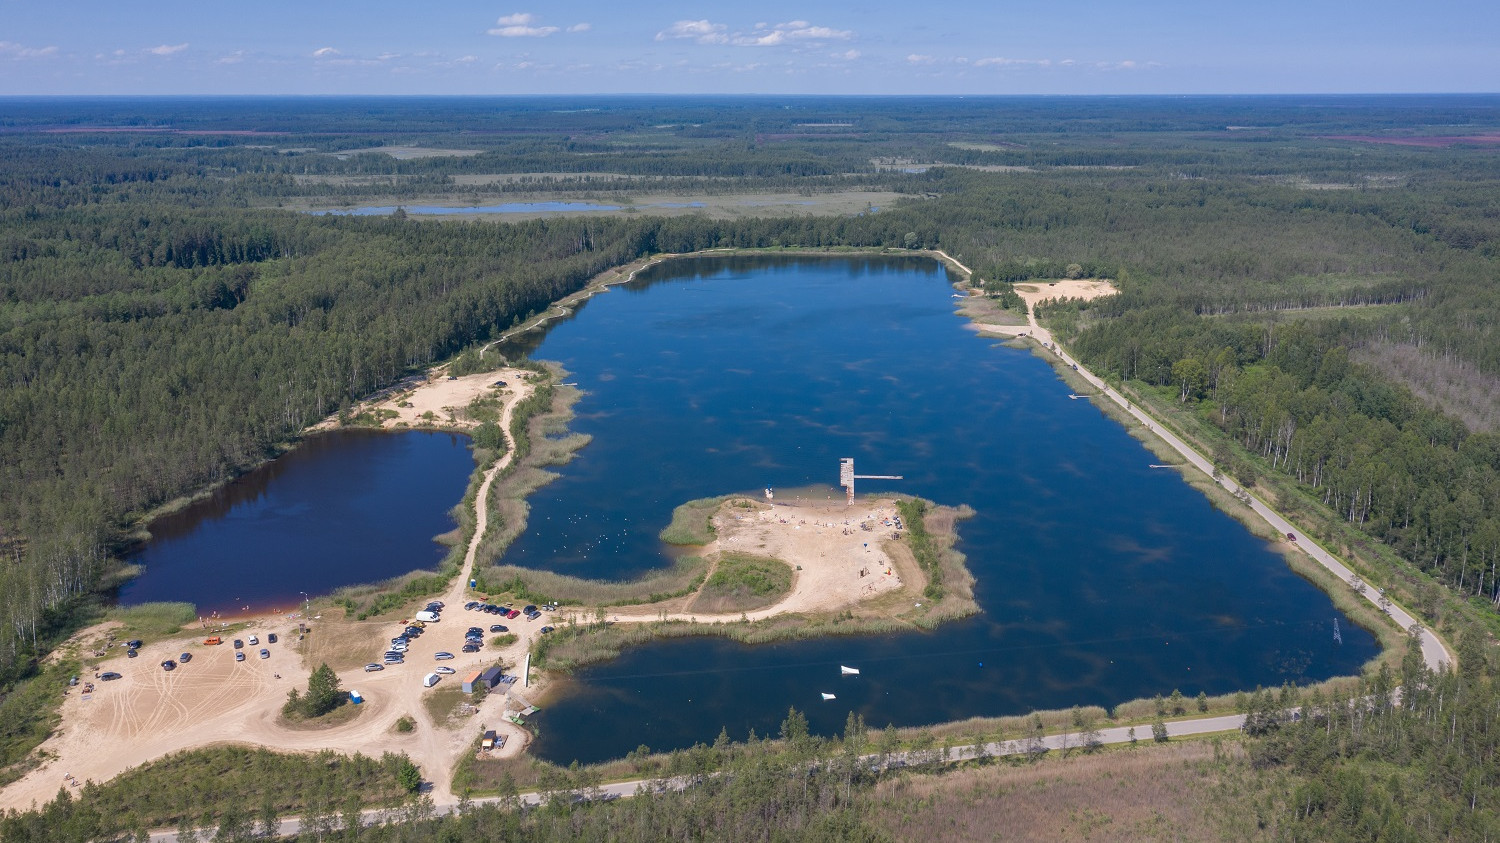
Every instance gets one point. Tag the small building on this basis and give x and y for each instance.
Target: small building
(491, 677)
(488, 741)
(470, 680)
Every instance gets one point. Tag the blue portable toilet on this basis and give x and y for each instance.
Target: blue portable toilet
(355, 698)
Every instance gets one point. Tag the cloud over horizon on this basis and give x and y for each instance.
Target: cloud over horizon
(519, 25)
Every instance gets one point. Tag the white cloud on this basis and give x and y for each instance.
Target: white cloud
(702, 31)
(11, 49)
(580, 27)
(519, 25)
(167, 49)
(998, 61)
(848, 55)
(324, 52)
(789, 32)
(918, 58)
(233, 58)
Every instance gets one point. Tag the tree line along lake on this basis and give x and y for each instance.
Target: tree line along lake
(1100, 579)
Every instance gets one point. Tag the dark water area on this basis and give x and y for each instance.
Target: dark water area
(501, 208)
(343, 508)
(1101, 580)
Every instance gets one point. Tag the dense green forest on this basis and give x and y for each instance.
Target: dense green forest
(1298, 288)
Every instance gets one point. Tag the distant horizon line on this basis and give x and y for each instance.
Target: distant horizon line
(1325, 94)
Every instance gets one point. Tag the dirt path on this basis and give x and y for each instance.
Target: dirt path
(151, 712)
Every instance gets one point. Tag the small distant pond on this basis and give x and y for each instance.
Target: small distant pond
(502, 208)
(343, 508)
(1101, 579)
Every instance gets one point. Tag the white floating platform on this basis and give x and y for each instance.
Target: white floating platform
(848, 671)
(827, 697)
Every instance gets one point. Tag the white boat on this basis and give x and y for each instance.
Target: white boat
(848, 671)
(827, 697)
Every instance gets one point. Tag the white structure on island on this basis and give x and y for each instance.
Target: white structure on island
(847, 477)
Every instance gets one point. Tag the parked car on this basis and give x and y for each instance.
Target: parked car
(400, 639)
(531, 616)
(427, 617)
(169, 665)
(547, 629)
(109, 676)
(472, 605)
(471, 648)
(395, 659)
(238, 644)
(431, 679)
(270, 638)
(239, 656)
(473, 629)
(264, 653)
(499, 627)
(254, 641)
(399, 648)
(372, 667)
(442, 656)
(185, 658)
(134, 644)
(436, 606)
(512, 614)
(132, 653)
(529, 609)
(445, 670)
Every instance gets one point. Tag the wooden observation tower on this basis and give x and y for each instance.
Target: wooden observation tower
(847, 477)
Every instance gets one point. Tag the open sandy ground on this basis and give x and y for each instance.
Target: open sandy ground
(444, 397)
(844, 556)
(839, 555)
(1087, 289)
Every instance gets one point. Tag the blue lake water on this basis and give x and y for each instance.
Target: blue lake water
(1101, 579)
(342, 508)
(502, 208)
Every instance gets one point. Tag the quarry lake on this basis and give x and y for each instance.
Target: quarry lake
(342, 508)
(1101, 579)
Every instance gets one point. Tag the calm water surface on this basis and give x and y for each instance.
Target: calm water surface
(342, 508)
(502, 208)
(1101, 579)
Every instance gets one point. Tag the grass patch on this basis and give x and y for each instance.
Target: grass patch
(344, 713)
(405, 724)
(741, 582)
(692, 523)
(192, 787)
(504, 640)
(442, 703)
(154, 619)
(28, 714)
(526, 585)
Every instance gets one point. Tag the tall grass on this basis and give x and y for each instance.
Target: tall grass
(156, 619)
(683, 578)
(692, 522)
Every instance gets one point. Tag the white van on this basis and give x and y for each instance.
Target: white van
(427, 617)
(431, 679)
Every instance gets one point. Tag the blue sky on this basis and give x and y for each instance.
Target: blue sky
(806, 47)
